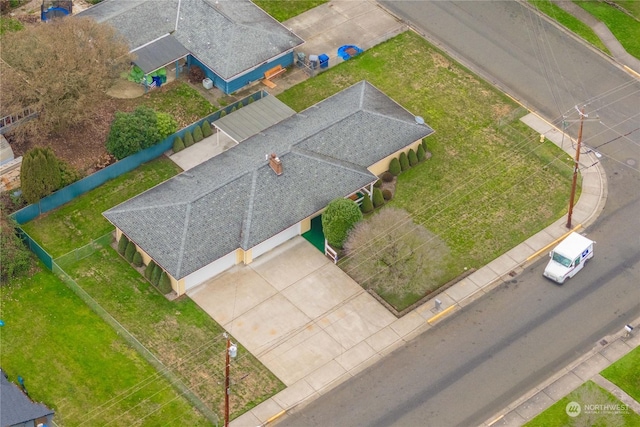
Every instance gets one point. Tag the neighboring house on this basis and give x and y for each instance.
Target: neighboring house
(238, 205)
(17, 410)
(233, 41)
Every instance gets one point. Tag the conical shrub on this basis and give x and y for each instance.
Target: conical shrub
(188, 139)
(206, 129)
(367, 204)
(122, 244)
(197, 134)
(413, 158)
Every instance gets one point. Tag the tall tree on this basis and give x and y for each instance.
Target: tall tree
(39, 174)
(61, 68)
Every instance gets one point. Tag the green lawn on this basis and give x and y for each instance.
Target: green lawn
(587, 394)
(631, 6)
(79, 222)
(625, 373)
(76, 364)
(178, 332)
(569, 21)
(180, 100)
(9, 24)
(282, 10)
(624, 27)
(490, 183)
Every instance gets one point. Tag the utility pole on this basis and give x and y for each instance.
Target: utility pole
(576, 166)
(232, 351)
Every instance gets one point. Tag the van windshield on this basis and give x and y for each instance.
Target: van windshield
(561, 259)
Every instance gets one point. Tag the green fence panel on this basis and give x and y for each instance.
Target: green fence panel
(36, 248)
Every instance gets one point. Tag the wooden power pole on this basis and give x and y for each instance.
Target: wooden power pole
(576, 167)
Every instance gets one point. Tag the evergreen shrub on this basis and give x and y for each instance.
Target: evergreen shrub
(378, 198)
(137, 259)
(413, 158)
(394, 167)
(206, 129)
(404, 162)
(367, 205)
(197, 134)
(122, 244)
(129, 252)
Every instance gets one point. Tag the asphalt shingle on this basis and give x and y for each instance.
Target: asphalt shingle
(235, 200)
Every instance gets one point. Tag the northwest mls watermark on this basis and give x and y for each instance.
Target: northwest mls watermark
(574, 409)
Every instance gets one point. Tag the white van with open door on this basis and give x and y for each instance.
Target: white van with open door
(569, 257)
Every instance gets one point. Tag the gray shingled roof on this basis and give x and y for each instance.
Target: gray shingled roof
(235, 200)
(254, 118)
(16, 407)
(159, 53)
(228, 36)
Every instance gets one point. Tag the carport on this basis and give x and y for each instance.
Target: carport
(253, 118)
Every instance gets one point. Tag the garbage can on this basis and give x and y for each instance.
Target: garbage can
(324, 60)
(313, 61)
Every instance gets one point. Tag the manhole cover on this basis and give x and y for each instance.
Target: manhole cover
(631, 162)
(604, 342)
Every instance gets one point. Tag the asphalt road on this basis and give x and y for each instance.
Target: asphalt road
(473, 364)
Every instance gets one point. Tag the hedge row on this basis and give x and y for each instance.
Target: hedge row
(191, 137)
(152, 271)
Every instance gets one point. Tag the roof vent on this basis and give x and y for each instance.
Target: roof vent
(275, 164)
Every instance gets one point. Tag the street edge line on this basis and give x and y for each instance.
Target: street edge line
(546, 248)
(631, 71)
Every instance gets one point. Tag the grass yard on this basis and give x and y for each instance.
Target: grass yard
(79, 222)
(569, 21)
(282, 10)
(178, 332)
(180, 100)
(588, 393)
(624, 27)
(624, 373)
(77, 365)
(490, 183)
(631, 6)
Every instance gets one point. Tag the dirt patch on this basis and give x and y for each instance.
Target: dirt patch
(124, 89)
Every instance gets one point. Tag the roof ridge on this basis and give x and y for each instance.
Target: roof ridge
(183, 241)
(344, 164)
(245, 228)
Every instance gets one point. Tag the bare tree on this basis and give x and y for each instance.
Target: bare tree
(61, 69)
(390, 253)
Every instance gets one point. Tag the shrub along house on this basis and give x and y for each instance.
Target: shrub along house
(233, 41)
(267, 189)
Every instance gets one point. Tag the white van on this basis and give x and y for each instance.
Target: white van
(569, 257)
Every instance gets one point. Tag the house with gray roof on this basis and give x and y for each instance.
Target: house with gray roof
(233, 41)
(251, 198)
(17, 409)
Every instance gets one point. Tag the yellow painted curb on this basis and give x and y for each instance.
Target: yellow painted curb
(276, 416)
(496, 420)
(630, 71)
(439, 315)
(546, 248)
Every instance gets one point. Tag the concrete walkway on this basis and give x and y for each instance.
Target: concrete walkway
(602, 31)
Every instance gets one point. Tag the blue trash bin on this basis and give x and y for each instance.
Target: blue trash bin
(324, 60)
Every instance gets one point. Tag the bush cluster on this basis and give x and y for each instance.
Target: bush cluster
(196, 75)
(140, 129)
(42, 173)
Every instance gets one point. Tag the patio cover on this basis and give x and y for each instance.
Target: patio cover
(254, 118)
(159, 53)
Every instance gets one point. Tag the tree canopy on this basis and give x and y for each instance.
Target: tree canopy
(62, 69)
(339, 217)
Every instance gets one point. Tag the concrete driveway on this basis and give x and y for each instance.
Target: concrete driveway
(300, 315)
